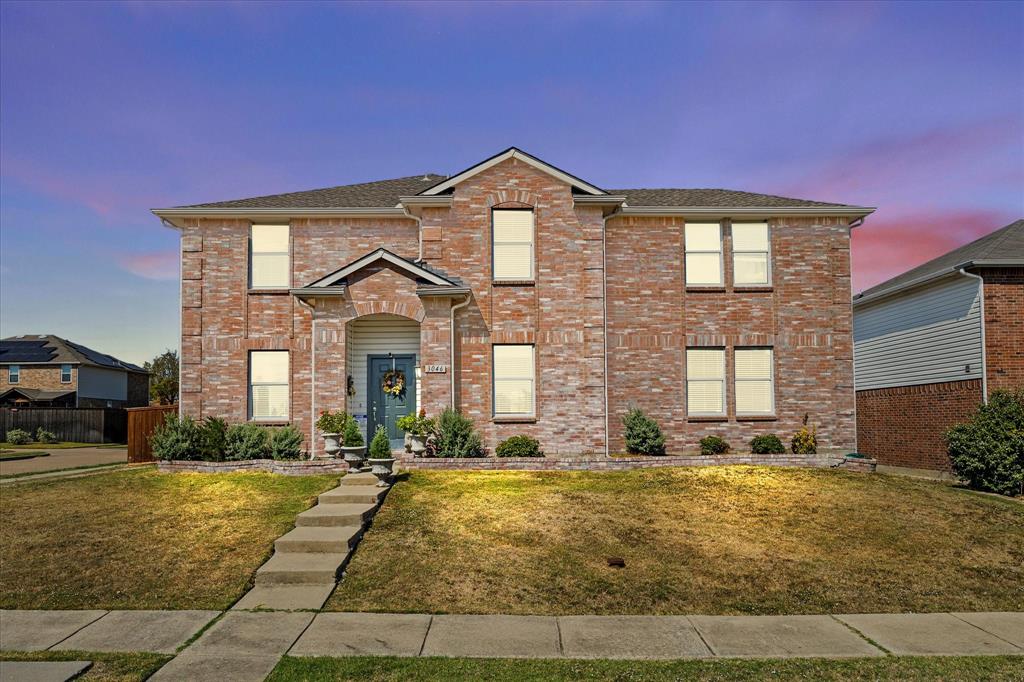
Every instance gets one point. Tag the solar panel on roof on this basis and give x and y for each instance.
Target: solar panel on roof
(25, 351)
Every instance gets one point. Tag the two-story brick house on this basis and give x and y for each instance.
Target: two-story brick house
(528, 298)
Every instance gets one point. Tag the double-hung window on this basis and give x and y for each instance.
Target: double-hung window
(268, 257)
(65, 374)
(268, 385)
(13, 374)
(751, 254)
(703, 243)
(755, 392)
(514, 386)
(705, 382)
(513, 244)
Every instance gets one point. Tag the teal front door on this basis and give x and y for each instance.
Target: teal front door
(384, 407)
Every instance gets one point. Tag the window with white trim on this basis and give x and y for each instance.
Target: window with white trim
(65, 374)
(514, 386)
(13, 374)
(268, 385)
(755, 391)
(751, 254)
(513, 244)
(703, 242)
(269, 266)
(705, 382)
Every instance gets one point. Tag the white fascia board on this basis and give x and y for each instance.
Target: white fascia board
(428, 201)
(747, 212)
(379, 254)
(599, 200)
(175, 216)
(513, 153)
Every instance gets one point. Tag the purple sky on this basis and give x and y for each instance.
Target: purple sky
(107, 110)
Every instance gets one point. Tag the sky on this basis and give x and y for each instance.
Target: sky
(108, 110)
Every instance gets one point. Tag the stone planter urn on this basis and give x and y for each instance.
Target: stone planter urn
(408, 442)
(417, 444)
(354, 456)
(382, 469)
(332, 444)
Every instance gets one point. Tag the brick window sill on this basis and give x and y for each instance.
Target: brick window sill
(710, 418)
(705, 290)
(754, 289)
(756, 418)
(265, 422)
(264, 292)
(514, 420)
(513, 283)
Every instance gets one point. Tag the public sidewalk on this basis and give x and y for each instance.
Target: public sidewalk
(246, 645)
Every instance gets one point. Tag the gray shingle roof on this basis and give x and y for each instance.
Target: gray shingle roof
(1006, 243)
(726, 198)
(47, 348)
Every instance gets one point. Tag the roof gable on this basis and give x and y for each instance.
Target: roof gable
(414, 270)
(49, 349)
(519, 155)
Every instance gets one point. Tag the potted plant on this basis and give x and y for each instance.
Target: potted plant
(331, 425)
(407, 423)
(381, 461)
(417, 430)
(354, 447)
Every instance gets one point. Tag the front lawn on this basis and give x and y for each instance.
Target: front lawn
(139, 539)
(713, 540)
(14, 455)
(106, 667)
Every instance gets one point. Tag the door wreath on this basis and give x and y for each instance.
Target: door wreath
(393, 382)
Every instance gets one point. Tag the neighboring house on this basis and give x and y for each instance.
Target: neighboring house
(531, 300)
(48, 371)
(932, 343)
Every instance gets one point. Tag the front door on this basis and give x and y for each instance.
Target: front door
(384, 407)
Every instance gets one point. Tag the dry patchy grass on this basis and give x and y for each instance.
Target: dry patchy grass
(714, 540)
(143, 540)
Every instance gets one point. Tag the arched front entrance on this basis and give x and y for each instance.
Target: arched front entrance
(382, 348)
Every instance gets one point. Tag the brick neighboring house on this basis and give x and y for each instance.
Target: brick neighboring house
(530, 299)
(932, 343)
(48, 371)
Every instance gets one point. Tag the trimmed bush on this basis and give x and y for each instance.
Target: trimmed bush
(380, 446)
(988, 451)
(457, 437)
(805, 442)
(177, 439)
(643, 435)
(44, 436)
(18, 437)
(213, 432)
(352, 436)
(246, 441)
(286, 443)
(713, 445)
(519, 446)
(768, 444)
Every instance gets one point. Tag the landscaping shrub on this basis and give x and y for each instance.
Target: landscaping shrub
(213, 432)
(456, 436)
(44, 436)
(246, 441)
(805, 442)
(352, 436)
(643, 435)
(177, 439)
(286, 443)
(380, 446)
(18, 437)
(768, 444)
(988, 450)
(519, 446)
(713, 445)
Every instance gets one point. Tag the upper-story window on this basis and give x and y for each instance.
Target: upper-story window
(13, 374)
(65, 374)
(703, 243)
(513, 244)
(268, 257)
(751, 254)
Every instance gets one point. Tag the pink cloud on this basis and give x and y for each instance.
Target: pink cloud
(159, 265)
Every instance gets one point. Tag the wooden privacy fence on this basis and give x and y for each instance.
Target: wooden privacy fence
(77, 424)
(142, 422)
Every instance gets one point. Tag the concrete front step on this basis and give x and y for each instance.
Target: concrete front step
(359, 478)
(347, 514)
(301, 568)
(285, 597)
(352, 493)
(318, 539)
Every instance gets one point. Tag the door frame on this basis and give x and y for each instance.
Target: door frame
(371, 389)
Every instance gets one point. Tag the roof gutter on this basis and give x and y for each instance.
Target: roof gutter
(748, 211)
(175, 215)
(861, 299)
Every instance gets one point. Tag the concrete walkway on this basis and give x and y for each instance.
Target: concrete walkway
(244, 645)
(67, 458)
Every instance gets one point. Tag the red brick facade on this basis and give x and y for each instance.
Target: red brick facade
(1004, 327)
(805, 316)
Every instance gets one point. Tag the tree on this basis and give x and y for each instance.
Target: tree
(163, 378)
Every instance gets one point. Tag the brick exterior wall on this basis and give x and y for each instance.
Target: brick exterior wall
(43, 377)
(904, 426)
(1004, 327)
(805, 317)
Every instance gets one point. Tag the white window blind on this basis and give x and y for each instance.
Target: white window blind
(754, 391)
(513, 380)
(268, 257)
(750, 253)
(513, 244)
(268, 384)
(65, 374)
(703, 243)
(705, 381)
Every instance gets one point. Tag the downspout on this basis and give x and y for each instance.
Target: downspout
(419, 231)
(312, 381)
(984, 353)
(451, 343)
(604, 312)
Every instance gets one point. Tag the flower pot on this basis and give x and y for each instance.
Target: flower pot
(408, 442)
(381, 468)
(332, 443)
(354, 456)
(417, 444)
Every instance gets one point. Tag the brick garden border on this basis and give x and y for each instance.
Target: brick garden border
(626, 463)
(300, 467)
